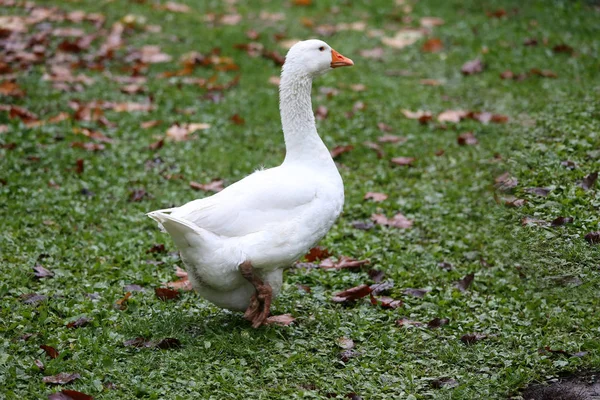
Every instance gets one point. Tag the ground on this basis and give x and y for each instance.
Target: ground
(536, 286)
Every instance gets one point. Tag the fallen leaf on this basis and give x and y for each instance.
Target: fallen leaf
(33, 298)
(39, 364)
(50, 351)
(157, 145)
(374, 53)
(452, 116)
(545, 73)
(236, 119)
(391, 139)
(61, 379)
(150, 124)
(92, 134)
(79, 166)
(41, 272)
(374, 146)
(403, 161)
(569, 164)
(506, 182)
(11, 89)
(437, 323)
(422, 116)
(375, 196)
(274, 80)
(376, 276)
(471, 338)
(282, 320)
(216, 185)
(133, 288)
(431, 22)
(166, 294)
(131, 107)
(138, 195)
(352, 294)
(472, 67)
(499, 13)
(408, 322)
(467, 139)
(317, 253)
(381, 287)
(514, 202)
(339, 150)
(508, 74)
(88, 146)
(589, 181)
(430, 82)
(538, 191)
(167, 343)
(526, 221)
(432, 45)
(444, 383)
(175, 7)
(181, 132)
(364, 226)
(464, 283)
(121, 304)
(402, 38)
(180, 284)
(563, 48)
(420, 293)
(66, 394)
(386, 302)
(593, 237)
(530, 42)
(345, 343)
(78, 323)
(157, 248)
(343, 262)
(321, 113)
(346, 355)
(359, 87)
(397, 221)
(136, 342)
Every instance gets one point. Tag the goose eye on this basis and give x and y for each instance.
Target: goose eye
(322, 48)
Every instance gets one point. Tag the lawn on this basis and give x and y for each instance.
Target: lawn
(74, 190)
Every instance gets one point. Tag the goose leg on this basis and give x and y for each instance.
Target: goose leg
(260, 303)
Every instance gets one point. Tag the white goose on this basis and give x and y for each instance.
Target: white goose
(236, 243)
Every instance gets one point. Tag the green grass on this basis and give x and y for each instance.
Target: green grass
(98, 243)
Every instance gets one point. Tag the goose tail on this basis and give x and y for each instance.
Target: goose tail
(184, 233)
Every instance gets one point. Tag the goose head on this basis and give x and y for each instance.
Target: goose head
(314, 57)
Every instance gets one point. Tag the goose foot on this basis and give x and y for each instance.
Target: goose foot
(260, 302)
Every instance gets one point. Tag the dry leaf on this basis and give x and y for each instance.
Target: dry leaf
(166, 294)
(181, 132)
(281, 320)
(397, 221)
(352, 294)
(472, 67)
(402, 38)
(375, 196)
(343, 263)
(432, 45)
(215, 185)
(50, 351)
(467, 139)
(317, 253)
(61, 379)
(464, 283)
(403, 161)
(338, 150)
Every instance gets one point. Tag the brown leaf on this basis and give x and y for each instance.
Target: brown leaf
(92, 134)
(321, 113)
(131, 107)
(79, 166)
(397, 221)
(50, 351)
(174, 7)
(61, 379)
(593, 237)
(121, 304)
(589, 181)
(403, 161)
(167, 343)
(560, 221)
(274, 56)
(345, 343)
(499, 13)
(381, 287)
(138, 195)
(514, 202)
(391, 139)
(563, 48)
(530, 42)
(11, 89)
(19, 112)
(467, 139)
(377, 276)
(149, 124)
(132, 89)
(67, 394)
(374, 54)
(422, 116)
(444, 383)
(471, 338)
(41, 272)
(282, 320)
(408, 322)
(437, 323)
(78, 323)
(384, 128)
(375, 147)
(538, 191)
(464, 283)
(402, 38)
(376, 197)
(431, 22)
(339, 150)
(430, 82)
(472, 67)
(508, 74)
(33, 298)
(180, 284)
(352, 294)
(386, 302)
(274, 80)
(343, 262)
(317, 253)
(526, 221)
(166, 294)
(506, 182)
(236, 119)
(420, 293)
(88, 146)
(157, 145)
(545, 73)
(40, 364)
(346, 355)
(432, 45)
(452, 116)
(302, 2)
(157, 248)
(215, 185)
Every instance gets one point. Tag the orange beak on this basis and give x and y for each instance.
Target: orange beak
(338, 60)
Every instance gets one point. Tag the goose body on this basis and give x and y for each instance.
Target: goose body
(272, 217)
